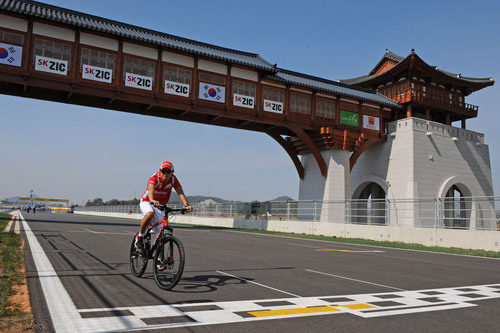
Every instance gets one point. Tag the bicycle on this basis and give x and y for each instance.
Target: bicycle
(167, 272)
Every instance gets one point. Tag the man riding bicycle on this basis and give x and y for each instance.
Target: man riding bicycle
(158, 193)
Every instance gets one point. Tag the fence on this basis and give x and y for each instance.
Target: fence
(475, 213)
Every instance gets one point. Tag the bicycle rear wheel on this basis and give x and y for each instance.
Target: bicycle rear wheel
(168, 262)
(138, 262)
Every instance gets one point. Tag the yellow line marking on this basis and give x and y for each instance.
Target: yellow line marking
(269, 313)
(331, 250)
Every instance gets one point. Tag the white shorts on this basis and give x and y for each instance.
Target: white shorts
(158, 215)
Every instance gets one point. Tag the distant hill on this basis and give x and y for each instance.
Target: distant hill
(193, 199)
(197, 198)
(174, 198)
(282, 198)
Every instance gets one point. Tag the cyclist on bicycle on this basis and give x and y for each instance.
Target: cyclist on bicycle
(158, 193)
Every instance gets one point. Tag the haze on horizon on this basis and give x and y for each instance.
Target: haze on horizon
(81, 153)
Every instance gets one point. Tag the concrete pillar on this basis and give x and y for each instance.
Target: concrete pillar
(473, 217)
(335, 188)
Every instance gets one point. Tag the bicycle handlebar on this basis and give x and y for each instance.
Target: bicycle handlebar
(171, 210)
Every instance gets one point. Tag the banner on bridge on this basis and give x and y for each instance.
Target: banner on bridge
(212, 92)
(11, 54)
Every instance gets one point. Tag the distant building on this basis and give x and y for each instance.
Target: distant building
(205, 203)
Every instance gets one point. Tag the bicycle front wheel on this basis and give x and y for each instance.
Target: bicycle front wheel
(168, 262)
(138, 262)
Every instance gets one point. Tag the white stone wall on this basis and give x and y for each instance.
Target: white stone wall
(423, 159)
(335, 187)
(420, 156)
(420, 160)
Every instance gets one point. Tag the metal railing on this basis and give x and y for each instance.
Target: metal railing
(475, 213)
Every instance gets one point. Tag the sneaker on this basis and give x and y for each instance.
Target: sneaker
(161, 266)
(139, 243)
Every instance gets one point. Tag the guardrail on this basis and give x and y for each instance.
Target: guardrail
(474, 213)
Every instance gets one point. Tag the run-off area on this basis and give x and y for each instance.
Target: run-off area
(79, 279)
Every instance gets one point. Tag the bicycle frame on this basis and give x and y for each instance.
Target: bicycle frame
(166, 229)
(157, 250)
(159, 238)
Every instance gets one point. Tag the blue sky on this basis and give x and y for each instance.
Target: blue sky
(80, 153)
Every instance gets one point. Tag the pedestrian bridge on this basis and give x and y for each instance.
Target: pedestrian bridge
(55, 54)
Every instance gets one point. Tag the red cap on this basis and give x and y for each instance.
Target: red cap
(167, 165)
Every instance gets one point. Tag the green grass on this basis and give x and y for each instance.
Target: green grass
(11, 262)
(401, 245)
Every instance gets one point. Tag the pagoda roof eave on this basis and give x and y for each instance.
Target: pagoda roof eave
(472, 84)
(370, 79)
(388, 55)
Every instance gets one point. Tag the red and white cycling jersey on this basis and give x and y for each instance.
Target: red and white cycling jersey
(163, 189)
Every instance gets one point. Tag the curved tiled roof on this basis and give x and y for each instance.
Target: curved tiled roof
(316, 83)
(459, 76)
(91, 22)
(399, 59)
(388, 55)
(359, 79)
(81, 20)
(393, 56)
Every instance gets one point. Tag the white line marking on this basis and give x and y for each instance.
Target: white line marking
(343, 277)
(409, 302)
(94, 232)
(63, 312)
(106, 232)
(259, 284)
(322, 249)
(355, 244)
(61, 308)
(9, 226)
(17, 226)
(394, 312)
(330, 249)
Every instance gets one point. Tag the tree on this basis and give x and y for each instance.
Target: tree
(95, 202)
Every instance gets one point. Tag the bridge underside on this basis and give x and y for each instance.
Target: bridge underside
(295, 139)
(112, 100)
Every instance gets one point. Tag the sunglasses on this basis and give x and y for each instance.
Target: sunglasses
(167, 171)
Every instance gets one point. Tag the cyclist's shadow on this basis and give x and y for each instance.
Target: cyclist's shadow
(206, 283)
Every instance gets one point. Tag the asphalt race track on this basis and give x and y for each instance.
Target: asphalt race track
(79, 280)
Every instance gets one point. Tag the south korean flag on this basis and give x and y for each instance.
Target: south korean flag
(11, 55)
(212, 92)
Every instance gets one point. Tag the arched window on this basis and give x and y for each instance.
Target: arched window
(369, 206)
(456, 208)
